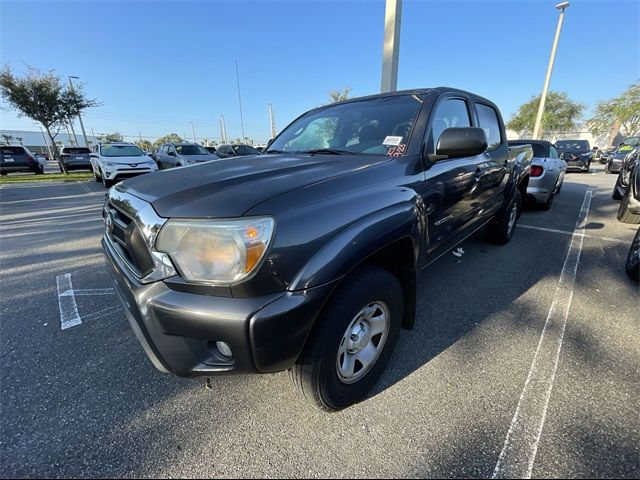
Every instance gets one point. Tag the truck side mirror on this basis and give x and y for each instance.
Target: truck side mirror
(461, 142)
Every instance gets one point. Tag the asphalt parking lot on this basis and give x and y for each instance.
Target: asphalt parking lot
(507, 373)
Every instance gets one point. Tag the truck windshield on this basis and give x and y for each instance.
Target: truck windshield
(371, 127)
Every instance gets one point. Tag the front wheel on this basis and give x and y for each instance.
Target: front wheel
(624, 214)
(106, 183)
(500, 229)
(616, 190)
(353, 340)
(633, 259)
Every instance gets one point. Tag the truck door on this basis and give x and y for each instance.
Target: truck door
(452, 197)
(496, 160)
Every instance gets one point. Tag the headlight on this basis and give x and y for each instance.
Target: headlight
(110, 164)
(218, 252)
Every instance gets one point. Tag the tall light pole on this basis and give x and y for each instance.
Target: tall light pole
(84, 134)
(391, 46)
(223, 130)
(239, 100)
(193, 130)
(543, 98)
(272, 121)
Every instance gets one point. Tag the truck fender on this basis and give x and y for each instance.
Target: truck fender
(402, 224)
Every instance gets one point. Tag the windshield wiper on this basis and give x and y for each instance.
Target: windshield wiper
(330, 151)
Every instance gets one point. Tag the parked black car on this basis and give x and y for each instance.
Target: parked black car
(74, 158)
(617, 160)
(16, 158)
(629, 210)
(306, 257)
(624, 174)
(211, 149)
(577, 154)
(226, 151)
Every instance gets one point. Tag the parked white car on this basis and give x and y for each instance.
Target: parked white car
(112, 162)
(547, 172)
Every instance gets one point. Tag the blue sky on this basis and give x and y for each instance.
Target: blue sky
(157, 66)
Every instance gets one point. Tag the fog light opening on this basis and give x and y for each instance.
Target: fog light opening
(224, 349)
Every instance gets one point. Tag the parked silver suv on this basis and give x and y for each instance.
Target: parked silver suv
(172, 155)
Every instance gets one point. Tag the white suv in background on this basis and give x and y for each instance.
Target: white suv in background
(112, 162)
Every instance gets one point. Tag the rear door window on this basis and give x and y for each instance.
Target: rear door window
(488, 119)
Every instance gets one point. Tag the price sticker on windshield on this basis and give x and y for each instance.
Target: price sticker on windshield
(391, 141)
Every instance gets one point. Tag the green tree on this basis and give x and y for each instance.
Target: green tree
(7, 139)
(621, 113)
(113, 137)
(561, 114)
(172, 137)
(44, 98)
(144, 144)
(339, 95)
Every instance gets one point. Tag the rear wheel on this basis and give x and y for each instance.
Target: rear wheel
(547, 205)
(624, 214)
(352, 342)
(40, 171)
(500, 230)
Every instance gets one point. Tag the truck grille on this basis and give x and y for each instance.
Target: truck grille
(127, 238)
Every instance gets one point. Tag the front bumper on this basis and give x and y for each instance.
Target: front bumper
(179, 330)
(615, 166)
(579, 164)
(117, 174)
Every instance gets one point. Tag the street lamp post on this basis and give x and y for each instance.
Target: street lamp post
(223, 130)
(272, 121)
(84, 134)
(391, 46)
(543, 98)
(193, 130)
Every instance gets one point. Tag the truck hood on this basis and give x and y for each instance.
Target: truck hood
(230, 187)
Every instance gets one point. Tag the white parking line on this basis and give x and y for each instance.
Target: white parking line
(89, 291)
(69, 316)
(521, 444)
(91, 192)
(564, 232)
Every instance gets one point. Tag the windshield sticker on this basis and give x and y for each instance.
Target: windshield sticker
(397, 151)
(390, 140)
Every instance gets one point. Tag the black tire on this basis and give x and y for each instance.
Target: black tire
(40, 171)
(96, 177)
(632, 266)
(316, 372)
(624, 214)
(616, 190)
(498, 231)
(547, 205)
(4, 174)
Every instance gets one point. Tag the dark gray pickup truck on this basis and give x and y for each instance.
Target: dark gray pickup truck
(305, 258)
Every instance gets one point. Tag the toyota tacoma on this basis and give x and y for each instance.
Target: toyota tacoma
(305, 258)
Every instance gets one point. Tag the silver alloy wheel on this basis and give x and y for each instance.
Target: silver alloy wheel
(363, 342)
(513, 216)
